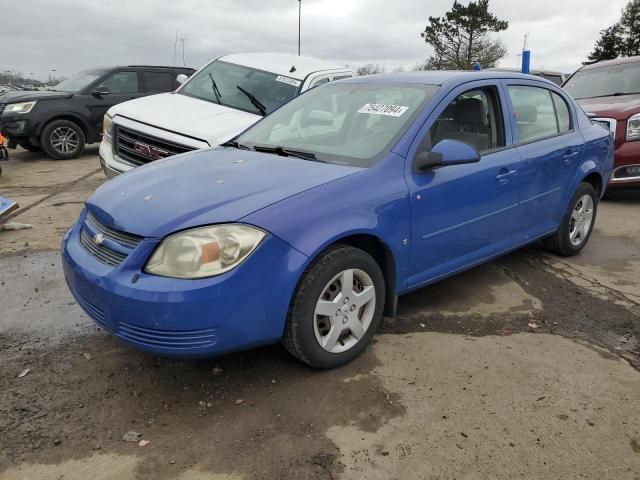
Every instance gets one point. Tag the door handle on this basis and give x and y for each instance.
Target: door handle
(503, 177)
(568, 157)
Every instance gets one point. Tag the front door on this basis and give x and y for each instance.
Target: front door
(122, 85)
(463, 214)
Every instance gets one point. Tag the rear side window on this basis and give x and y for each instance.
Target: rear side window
(122, 82)
(158, 82)
(535, 113)
(562, 111)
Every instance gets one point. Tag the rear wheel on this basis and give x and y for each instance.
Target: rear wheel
(62, 140)
(336, 309)
(578, 222)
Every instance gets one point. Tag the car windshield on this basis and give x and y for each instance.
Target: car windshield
(79, 81)
(621, 79)
(348, 124)
(242, 88)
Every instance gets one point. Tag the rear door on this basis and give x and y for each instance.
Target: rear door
(551, 148)
(123, 85)
(463, 214)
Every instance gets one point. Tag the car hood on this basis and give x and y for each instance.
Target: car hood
(15, 97)
(189, 116)
(204, 187)
(620, 107)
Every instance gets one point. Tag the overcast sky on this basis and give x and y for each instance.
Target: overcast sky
(69, 35)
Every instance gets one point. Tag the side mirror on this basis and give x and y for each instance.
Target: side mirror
(445, 153)
(182, 78)
(101, 91)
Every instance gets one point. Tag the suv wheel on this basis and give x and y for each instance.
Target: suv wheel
(337, 308)
(578, 222)
(62, 140)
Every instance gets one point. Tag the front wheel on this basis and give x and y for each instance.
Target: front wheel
(62, 140)
(337, 308)
(577, 224)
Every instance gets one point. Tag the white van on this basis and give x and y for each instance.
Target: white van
(216, 103)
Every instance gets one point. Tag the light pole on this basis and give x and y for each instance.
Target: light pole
(299, 23)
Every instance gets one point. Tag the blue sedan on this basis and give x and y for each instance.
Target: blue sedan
(307, 227)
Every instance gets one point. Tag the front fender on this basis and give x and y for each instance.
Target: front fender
(373, 202)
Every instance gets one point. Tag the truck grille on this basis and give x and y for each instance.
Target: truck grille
(110, 256)
(137, 148)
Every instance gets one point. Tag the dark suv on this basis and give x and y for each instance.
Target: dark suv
(62, 120)
(610, 91)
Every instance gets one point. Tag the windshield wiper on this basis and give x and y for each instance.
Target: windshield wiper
(216, 92)
(287, 152)
(616, 94)
(235, 144)
(256, 103)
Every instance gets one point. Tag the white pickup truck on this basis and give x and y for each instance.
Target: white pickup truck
(216, 103)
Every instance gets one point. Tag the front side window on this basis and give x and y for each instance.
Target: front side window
(605, 81)
(347, 124)
(122, 82)
(535, 113)
(473, 117)
(242, 88)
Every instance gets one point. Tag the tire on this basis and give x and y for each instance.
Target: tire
(347, 332)
(30, 147)
(577, 225)
(62, 140)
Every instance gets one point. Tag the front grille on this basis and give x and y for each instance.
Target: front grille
(101, 252)
(126, 239)
(168, 339)
(136, 148)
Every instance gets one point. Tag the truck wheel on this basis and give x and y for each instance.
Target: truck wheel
(577, 224)
(62, 140)
(336, 308)
(30, 147)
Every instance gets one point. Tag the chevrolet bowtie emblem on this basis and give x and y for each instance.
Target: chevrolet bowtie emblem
(98, 238)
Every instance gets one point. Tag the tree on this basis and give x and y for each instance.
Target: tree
(461, 37)
(370, 69)
(621, 39)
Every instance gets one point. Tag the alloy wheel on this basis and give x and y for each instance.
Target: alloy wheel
(581, 220)
(65, 140)
(344, 311)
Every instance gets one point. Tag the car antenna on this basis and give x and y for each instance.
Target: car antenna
(293, 69)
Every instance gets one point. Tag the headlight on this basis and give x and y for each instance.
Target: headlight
(20, 107)
(633, 127)
(204, 252)
(107, 128)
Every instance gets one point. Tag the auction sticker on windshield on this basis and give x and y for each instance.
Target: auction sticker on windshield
(289, 81)
(379, 109)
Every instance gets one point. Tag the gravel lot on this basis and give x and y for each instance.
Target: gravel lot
(526, 367)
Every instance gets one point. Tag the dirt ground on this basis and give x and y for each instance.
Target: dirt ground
(527, 367)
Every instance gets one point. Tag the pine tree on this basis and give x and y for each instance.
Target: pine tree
(621, 39)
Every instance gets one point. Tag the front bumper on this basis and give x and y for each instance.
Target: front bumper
(626, 155)
(240, 309)
(110, 165)
(14, 127)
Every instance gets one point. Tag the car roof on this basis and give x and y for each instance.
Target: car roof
(439, 77)
(281, 63)
(606, 63)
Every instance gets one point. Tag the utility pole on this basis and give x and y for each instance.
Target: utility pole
(299, 23)
(182, 40)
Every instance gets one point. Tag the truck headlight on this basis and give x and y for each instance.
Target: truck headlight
(633, 128)
(25, 107)
(204, 252)
(107, 128)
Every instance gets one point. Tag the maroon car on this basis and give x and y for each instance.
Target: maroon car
(611, 91)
